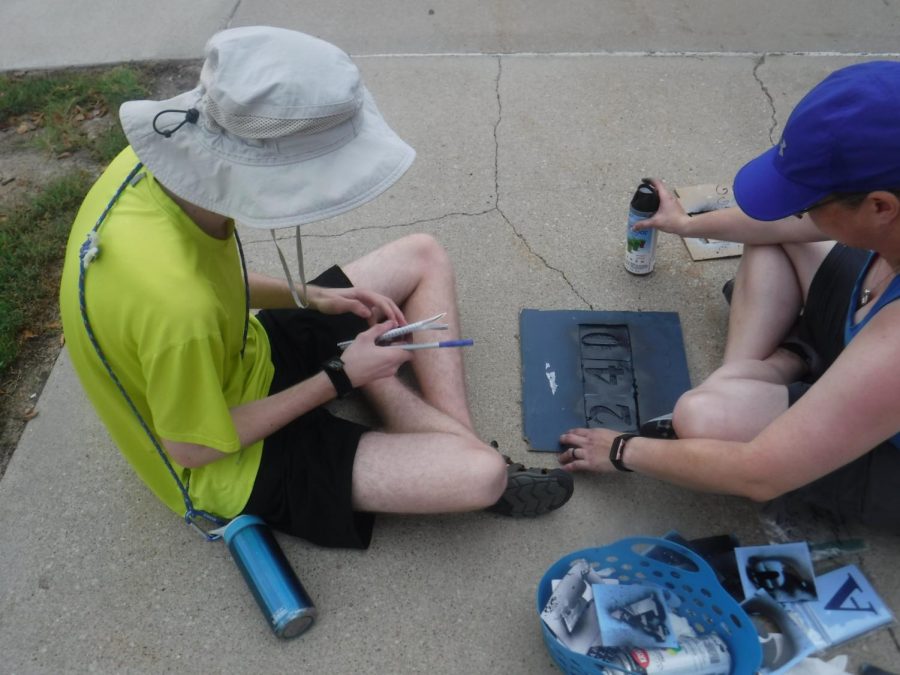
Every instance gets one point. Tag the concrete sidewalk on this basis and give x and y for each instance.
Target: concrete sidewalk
(533, 122)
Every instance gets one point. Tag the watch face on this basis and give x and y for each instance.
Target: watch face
(334, 363)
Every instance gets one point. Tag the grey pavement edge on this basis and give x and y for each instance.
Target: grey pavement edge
(58, 33)
(525, 165)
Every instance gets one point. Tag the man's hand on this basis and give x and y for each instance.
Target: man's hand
(587, 450)
(670, 217)
(364, 303)
(365, 362)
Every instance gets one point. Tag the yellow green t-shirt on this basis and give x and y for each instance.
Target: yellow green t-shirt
(166, 303)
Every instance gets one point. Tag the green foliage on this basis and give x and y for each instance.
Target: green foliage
(32, 246)
(58, 104)
(59, 107)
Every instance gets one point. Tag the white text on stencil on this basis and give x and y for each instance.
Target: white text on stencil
(551, 378)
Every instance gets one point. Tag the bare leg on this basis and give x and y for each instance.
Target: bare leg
(428, 459)
(425, 473)
(735, 403)
(416, 273)
(770, 288)
(743, 396)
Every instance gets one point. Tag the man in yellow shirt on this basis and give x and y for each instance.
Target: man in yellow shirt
(155, 301)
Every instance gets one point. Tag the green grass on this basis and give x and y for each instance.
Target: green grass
(32, 245)
(59, 103)
(33, 234)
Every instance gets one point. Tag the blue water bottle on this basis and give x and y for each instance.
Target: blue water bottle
(278, 592)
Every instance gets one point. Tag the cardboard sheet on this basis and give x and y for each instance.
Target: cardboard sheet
(702, 198)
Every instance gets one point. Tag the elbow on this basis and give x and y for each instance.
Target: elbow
(763, 476)
(184, 459)
(187, 455)
(188, 462)
(762, 492)
(764, 488)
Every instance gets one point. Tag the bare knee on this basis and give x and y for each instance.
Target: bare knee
(487, 471)
(428, 255)
(698, 414)
(736, 413)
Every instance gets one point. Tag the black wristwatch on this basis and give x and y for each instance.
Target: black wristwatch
(334, 369)
(617, 451)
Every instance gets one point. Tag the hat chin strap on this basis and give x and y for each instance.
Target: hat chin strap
(299, 299)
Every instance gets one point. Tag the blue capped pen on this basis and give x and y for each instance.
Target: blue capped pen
(465, 342)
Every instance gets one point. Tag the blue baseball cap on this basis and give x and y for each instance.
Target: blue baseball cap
(843, 136)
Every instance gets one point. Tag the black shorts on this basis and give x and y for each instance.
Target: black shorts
(304, 483)
(822, 324)
(868, 488)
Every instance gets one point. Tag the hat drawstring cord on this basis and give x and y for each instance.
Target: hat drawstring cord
(301, 300)
(190, 115)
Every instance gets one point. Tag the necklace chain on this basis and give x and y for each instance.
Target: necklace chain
(866, 294)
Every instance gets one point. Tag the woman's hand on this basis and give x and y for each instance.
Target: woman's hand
(365, 362)
(670, 217)
(369, 305)
(587, 450)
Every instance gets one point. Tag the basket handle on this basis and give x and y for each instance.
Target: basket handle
(663, 552)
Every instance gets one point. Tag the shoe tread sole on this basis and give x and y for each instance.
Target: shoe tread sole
(533, 493)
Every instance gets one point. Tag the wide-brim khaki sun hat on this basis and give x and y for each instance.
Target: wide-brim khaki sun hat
(279, 132)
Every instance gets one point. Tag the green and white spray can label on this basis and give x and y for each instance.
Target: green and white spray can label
(640, 247)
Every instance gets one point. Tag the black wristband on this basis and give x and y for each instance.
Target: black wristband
(334, 369)
(617, 451)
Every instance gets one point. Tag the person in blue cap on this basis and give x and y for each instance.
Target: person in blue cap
(807, 401)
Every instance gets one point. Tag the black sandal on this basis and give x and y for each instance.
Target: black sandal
(532, 492)
(659, 427)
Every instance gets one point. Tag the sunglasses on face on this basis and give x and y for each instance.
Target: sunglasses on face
(850, 199)
(824, 202)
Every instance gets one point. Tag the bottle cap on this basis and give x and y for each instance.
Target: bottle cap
(646, 199)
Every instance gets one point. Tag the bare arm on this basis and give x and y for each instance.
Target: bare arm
(853, 407)
(255, 420)
(727, 224)
(707, 465)
(270, 293)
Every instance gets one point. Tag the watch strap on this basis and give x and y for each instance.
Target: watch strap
(334, 369)
(617, 451)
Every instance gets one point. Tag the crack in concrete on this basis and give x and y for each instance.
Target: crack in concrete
(893, 635)
(759, 63)
(512, 227)
(496, 207)
(497, 137)
(232, 13)
(412, 223)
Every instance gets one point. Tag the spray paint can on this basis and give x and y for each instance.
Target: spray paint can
(708, 655)
(616, 658)
(640, 247)
(278, 592)
(695, 656)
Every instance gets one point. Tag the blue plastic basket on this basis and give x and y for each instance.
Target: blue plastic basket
(659, 562)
